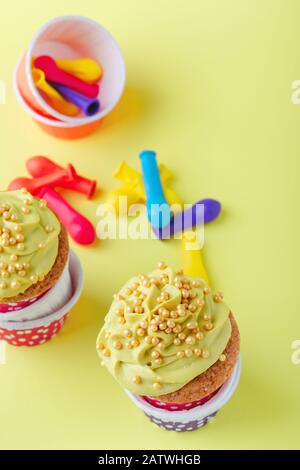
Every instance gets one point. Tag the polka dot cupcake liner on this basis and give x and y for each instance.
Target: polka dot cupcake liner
(50, 312)
(14, 307)
(189, 419)
(178, 406)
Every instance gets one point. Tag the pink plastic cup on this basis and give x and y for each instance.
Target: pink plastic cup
(71, 37)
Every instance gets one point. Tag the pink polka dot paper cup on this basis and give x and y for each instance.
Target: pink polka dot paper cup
(189, 419)
(39, 322)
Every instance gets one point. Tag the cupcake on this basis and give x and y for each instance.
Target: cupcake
(174, 346)
(34, 268)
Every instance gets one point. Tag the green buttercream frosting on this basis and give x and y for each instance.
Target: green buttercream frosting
(191, 325)
(28, 241)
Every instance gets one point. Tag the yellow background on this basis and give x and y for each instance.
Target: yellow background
(208, 87)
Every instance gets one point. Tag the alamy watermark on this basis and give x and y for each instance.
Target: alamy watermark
(295, 357)
(131, 222)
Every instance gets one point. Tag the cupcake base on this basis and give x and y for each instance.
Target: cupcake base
(192, 419)
(42, 320)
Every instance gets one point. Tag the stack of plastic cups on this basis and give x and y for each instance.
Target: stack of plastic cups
(71, 37)
(42, 318)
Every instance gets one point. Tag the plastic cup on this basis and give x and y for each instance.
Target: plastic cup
(42, 320)
(195, 418)
(73, 37)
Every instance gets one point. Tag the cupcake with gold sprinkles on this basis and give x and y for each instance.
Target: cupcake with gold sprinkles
(39, 279)
(173, 345)
(33, 247)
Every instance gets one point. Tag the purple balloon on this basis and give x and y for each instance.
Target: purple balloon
(87, 105)
(190, 218)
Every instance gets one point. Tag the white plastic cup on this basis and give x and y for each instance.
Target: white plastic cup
(72, 37)
(48, 314)
(189, 420)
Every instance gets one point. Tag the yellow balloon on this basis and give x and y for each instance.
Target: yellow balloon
(85, 69)
(55, 99)
(192, 260)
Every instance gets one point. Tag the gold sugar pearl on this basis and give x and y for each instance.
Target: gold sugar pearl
(192, 308)
(158, 361)
(199, 336)
(121, 320)
(144, 324)
(171, 324)
(20, 246)
(137, 293)
(190, 340)
(161, 345)
(153, 328)
(6, 215)
(168, 331)
(13, 218)
(155, 355)
(20, 237)
(129, 309)
(157, 386)
(208, 326)
(134, 343)
(200, 303)
(3, 285)
(178, 285)
(195, 283)
(193, 295)
(4, 242)
(26, 265)
(136, 379)
(15, 284)
(197, 352)
(222, 358)
(218, 297)
(177, 329)
(4, 274)
(185, 293)
(206, 290)
(176, 342)
(118, 297)
(148, 339)
(206, 317)
(99, 346)
(18, 228)
(174, 314)
(191, 325)
(141, 332)
(3, 265)
(19, 266)
(25, 210)
(12, 241)
(11, 268)
(5, 235)
(180, 354)
(128, 291)
(188, 352)
(33, 278)
(162, 265)
(106, 352)
(117, 345)
(205, 353)
(155, 340)
(120, 312)
(163, 311)
(134, 286)
(162, 326)
(139, 309)
(137, 302)
(182, 336)
(127, 333)
(22, 273)
(128, 345)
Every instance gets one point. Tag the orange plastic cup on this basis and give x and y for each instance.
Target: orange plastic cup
(71, 37)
